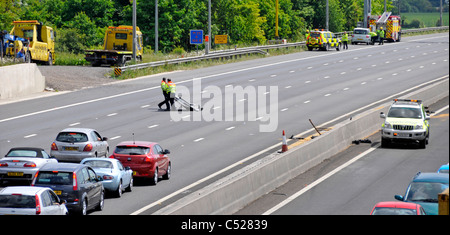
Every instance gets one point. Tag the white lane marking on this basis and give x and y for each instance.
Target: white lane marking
(74, 124)
(327, 94)
(153, 126)
(145, 106)
(115, 137)
(29, 136)
(112, 114)
(346, 88)
(284, 109)
(199, 139)
(320, 180)
(199, 78)
(288, 87)
(307, 101)
(230, 128)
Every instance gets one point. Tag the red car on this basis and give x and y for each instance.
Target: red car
(146, 159)
(397, 208)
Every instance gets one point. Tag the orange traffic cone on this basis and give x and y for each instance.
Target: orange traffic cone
(284, 148)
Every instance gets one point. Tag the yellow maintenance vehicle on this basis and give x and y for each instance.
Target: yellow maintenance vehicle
(33, 40)
(117, 47)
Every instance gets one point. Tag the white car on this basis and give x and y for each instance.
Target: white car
(21, 164)
(28, 200)
(361, 35)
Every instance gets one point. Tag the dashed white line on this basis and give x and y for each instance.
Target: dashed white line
(29, 136)
(199, 139)
(145, 106)
(307, 101)
(115, 137)
(326, 95)
(112, 114)
(288, 87)
(284, 110)
(74, 124)
(230, 128)
(153, 126)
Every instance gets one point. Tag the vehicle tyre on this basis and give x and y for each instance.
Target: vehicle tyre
(101, 204)
(83, 209)
(50, 59)
(154, 179)
(167, 175)
(384, 143)
(310, 48)
(119, 189)
(423, 144)
(129, 188)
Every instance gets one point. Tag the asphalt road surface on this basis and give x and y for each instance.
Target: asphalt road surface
(316, 85)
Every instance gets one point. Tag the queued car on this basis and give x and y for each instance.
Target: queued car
(146, 159)
(27, 200)
(78, 184)
(424, 190)
(443, 169)
(116, 177)
(407, 121)
(20, 164)
(397, 208)
(75, 144)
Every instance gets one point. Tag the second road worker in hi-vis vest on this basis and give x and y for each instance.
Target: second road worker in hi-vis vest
(171, 91)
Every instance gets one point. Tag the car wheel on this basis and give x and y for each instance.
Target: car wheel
(154, 180)
(83, 210)
(423, 144)
(384, 143)
(128, 189)
(101, 204)
(168, 172)
(119, 189)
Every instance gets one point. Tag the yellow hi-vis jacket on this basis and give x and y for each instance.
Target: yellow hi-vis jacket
(164, 86)
(172, 87)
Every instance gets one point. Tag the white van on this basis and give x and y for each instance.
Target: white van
(361, 35)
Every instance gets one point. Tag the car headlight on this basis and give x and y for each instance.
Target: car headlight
(387, 125)
(419, 127)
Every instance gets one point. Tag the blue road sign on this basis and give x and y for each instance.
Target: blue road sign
(196, 36)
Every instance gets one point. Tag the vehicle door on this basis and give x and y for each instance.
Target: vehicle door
(47, 158)
(84, 185)
(49, 207)
(95, 187)
(126, 176)
(162, 158)
(99, 144)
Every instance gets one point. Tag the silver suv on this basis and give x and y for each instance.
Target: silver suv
(406, 121)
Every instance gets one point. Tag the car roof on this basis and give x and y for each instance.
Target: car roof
(61, 167)
(137, 143)
(85, 130)
(37, 150)
(24, 190)
(100, 159)
(403, 205)
(431, 177)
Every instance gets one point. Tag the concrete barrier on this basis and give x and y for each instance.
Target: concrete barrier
(20, 80)
(233, 192)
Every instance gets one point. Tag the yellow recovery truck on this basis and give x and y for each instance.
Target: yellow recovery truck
(117, 47)
(34, 40)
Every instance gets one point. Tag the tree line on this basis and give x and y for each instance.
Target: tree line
(80, 24)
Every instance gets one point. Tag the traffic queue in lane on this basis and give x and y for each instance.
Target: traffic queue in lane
(78, 171)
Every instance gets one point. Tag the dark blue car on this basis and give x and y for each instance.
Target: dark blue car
(424, 190)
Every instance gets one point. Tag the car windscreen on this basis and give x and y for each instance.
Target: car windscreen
(54, 178)
(403, 112)
(22, 153)
(17, 201)
(425, 191)
(358, 31)
(99, 164)
(132, 150)
(315, 35)
(72, 137)
(393, 211)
